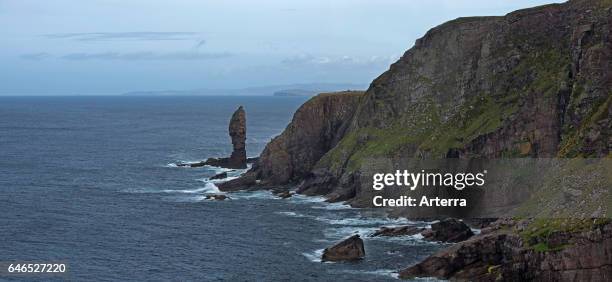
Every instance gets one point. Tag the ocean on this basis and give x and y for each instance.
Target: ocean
(90, 182)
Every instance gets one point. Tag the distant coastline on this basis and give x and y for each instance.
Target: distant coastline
(285, 90)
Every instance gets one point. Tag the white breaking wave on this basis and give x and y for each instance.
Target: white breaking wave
(334, 234)
(308, 199)
(363, 221)
(383, 272)
(408, 240)
(292, 214)
(262, 194)
(333, 206)
(176, 164)
(314, 256)
(185, 199)
(217, 181)
(208, 188)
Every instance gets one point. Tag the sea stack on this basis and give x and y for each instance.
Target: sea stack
(237, 131)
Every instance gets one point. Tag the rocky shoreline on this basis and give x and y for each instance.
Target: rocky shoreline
(531, 84)
(503, 252)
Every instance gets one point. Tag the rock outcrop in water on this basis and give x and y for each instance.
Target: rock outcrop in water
(349, 249)
(237, 132)
(221, 175)
(218, 197)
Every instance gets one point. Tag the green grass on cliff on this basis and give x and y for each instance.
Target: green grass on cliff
(573, 140)
(431, 129)
(536, 235)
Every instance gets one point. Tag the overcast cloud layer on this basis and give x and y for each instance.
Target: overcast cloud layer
(98, 47)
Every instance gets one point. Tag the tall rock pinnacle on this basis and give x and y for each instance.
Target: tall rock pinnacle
(237, 131)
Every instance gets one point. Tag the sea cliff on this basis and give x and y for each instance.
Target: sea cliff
(535, 83)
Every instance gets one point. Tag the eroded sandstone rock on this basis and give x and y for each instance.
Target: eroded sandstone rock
(237, 131)
(346, 250)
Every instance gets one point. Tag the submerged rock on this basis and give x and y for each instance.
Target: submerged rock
(219, 176)
(398, 231)
(349, 249)
(448, 230)
(198, 164)
(218, 197)
(284, 194)
(244, 182)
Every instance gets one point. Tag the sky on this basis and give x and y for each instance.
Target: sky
(108, 47)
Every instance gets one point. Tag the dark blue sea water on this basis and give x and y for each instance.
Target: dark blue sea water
(89, 181)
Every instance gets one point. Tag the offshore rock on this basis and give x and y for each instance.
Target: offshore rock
(219, 176)
(218, 197)
(349, 249)
(238, 159)
(237, 131)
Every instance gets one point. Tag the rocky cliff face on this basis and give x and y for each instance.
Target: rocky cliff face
(316, 127)
(508, 251)
(533, 83)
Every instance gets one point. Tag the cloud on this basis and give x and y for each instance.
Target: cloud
(145, 56)
(346, 61)
(200, 43)
(134, 35)
(36, 56)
